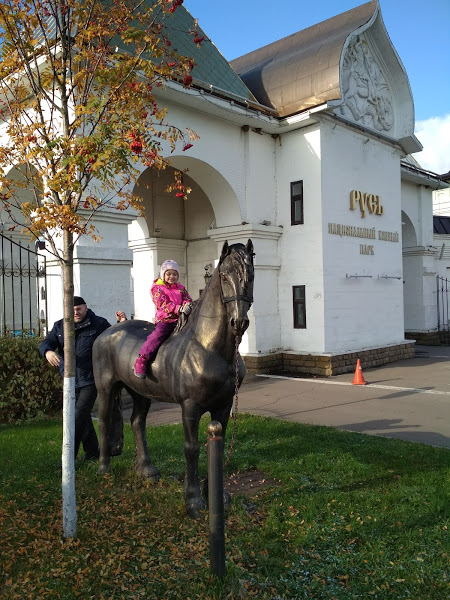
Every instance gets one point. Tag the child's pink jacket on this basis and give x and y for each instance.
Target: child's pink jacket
(168, 300)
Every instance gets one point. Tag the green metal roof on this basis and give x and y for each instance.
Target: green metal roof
(211, 68)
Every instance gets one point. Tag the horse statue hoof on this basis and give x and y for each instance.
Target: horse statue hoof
(148, 472)
(195, 507)
(103, 469)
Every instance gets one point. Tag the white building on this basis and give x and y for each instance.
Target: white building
(441, 227)
(302, 153)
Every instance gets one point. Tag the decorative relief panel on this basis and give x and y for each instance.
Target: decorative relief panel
(367, 97)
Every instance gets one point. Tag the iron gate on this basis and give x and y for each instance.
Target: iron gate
(442, 304)
(23, 290)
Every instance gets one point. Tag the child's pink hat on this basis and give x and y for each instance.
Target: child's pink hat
(167, 266)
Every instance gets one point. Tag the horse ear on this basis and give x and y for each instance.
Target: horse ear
(250, 247)
(225, 252)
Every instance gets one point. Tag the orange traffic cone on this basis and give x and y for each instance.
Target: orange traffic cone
(359, 378)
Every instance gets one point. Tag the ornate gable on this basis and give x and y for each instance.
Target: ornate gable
(346, 64)
(375, 90)
(367, 97)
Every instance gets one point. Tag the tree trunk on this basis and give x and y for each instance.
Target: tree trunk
(69, 509)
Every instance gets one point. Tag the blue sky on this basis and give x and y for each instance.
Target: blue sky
(419, 31)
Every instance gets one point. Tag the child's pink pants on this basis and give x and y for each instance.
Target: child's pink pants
(151, 345)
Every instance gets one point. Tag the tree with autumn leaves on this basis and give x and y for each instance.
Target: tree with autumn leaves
(78, 112)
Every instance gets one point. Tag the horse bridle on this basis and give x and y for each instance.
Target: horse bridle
(237, 297)
(227, 299)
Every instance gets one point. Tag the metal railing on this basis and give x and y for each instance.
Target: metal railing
(23, 290)
(442, 305)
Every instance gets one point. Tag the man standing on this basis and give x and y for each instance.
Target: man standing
(88, 326)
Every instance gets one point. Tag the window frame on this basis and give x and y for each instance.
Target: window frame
(295, 303)
(294, 199)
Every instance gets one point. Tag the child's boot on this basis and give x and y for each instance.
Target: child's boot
(140, 366)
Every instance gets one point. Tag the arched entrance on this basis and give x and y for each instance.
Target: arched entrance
(178, 228)
(419, 277)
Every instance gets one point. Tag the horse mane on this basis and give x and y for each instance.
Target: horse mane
(243, 261)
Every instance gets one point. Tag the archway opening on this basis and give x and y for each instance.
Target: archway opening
(177, 228)
(412, 276)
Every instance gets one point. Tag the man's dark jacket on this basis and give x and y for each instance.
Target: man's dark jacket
(86, 333)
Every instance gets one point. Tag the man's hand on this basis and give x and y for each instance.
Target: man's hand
(186, 308)
(52, 358)
(121, 316)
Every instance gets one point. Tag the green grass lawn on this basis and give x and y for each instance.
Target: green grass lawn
(344, 516)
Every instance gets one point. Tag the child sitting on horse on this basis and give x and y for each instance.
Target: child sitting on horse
(171, 299)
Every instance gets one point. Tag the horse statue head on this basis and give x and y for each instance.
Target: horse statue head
(236, 273)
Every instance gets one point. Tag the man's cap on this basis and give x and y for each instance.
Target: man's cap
(77, 300)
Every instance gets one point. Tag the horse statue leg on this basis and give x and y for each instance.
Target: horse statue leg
(142, 462)
(116, 431)
(105, 398)
(192, 413)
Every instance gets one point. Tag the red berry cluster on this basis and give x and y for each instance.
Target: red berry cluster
(175, 5)
(136, 144)
(198, 39)
(155, 109)
(181, 189)
(150, 158)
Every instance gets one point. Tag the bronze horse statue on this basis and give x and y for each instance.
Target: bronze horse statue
(195, 367)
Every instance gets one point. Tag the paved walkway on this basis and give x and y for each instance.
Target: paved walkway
(409, 399)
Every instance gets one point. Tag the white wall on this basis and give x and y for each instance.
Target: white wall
(259, 202)
(301, 253)
(216, 161)
(101, 270)
(364, 311)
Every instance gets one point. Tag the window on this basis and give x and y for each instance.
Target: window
(299, 304)
(297, 203)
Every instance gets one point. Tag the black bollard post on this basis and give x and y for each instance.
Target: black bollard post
(215, 499)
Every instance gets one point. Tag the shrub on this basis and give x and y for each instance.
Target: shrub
(29, 386)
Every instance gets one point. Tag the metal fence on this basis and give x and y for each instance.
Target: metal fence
(23, 290)
(442, 304)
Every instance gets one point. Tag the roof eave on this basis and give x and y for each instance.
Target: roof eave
(422, 177)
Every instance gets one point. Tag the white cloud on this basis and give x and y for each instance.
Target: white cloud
(434, 135)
